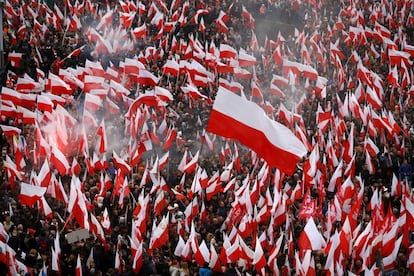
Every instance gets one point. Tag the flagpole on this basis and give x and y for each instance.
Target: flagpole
(66, 222)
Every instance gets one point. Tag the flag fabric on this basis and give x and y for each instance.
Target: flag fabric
(78, 268)
(30, 194)
(59, 161)
(271, 140)
(310, 238)
(159, 235)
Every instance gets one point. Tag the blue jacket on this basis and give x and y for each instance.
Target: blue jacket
(205, 271)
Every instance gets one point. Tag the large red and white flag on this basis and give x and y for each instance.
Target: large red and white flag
(171, 67)
(159, 235)
(57, 86)
(30, 194)
(259, 260)
(44, 175)
(10, 131)
(226, 51)
(139, 32)
(147, 78)
(92, 102)
(311, 238)
(59, 160)
(235, 117)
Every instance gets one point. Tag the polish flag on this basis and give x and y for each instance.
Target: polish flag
(26, 84)
(232, 86)
(171, 136)
(147, 78)
(15, 59)
(27, 116)
(241, 73)
(214, 188)
(235, 117)
(92, 102)
(246, 59)
(259, 260)
(368, 161)
(392, 77)
(311, 238)
(190, 166)
(139, 32)
(43, 205)
(118, 88)
(78, 266)
(97, 228)
(73, 23)
(112, 73)
(336, 178)
(121, 164)
(57, 86)
(226, 51)
(276, 91)
(138, 260)
(208, 141)
(11, 95)
(389, 260)
(373, 99)
(30, 194)
(221, 24)
(59, 160)
(126, 19)
(163, 160)
(44, 103)
(76, 52)
(280, 81)
(44, 175)
(396, 187)
(106, 223)
(94, 68)
(159, 235)
(193, 92)
(133, 66)
(371, 147)
(56, 100)
(178, 195)
(111, 107)
(397, 57)
(58, 192)
(171, 67)
(10, 131)
(159, 203)
(93, 82)
(214, 263)
(164, 94)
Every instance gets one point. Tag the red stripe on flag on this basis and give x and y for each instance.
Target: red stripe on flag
(256, 137)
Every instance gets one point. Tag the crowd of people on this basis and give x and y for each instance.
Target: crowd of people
(157, 194)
